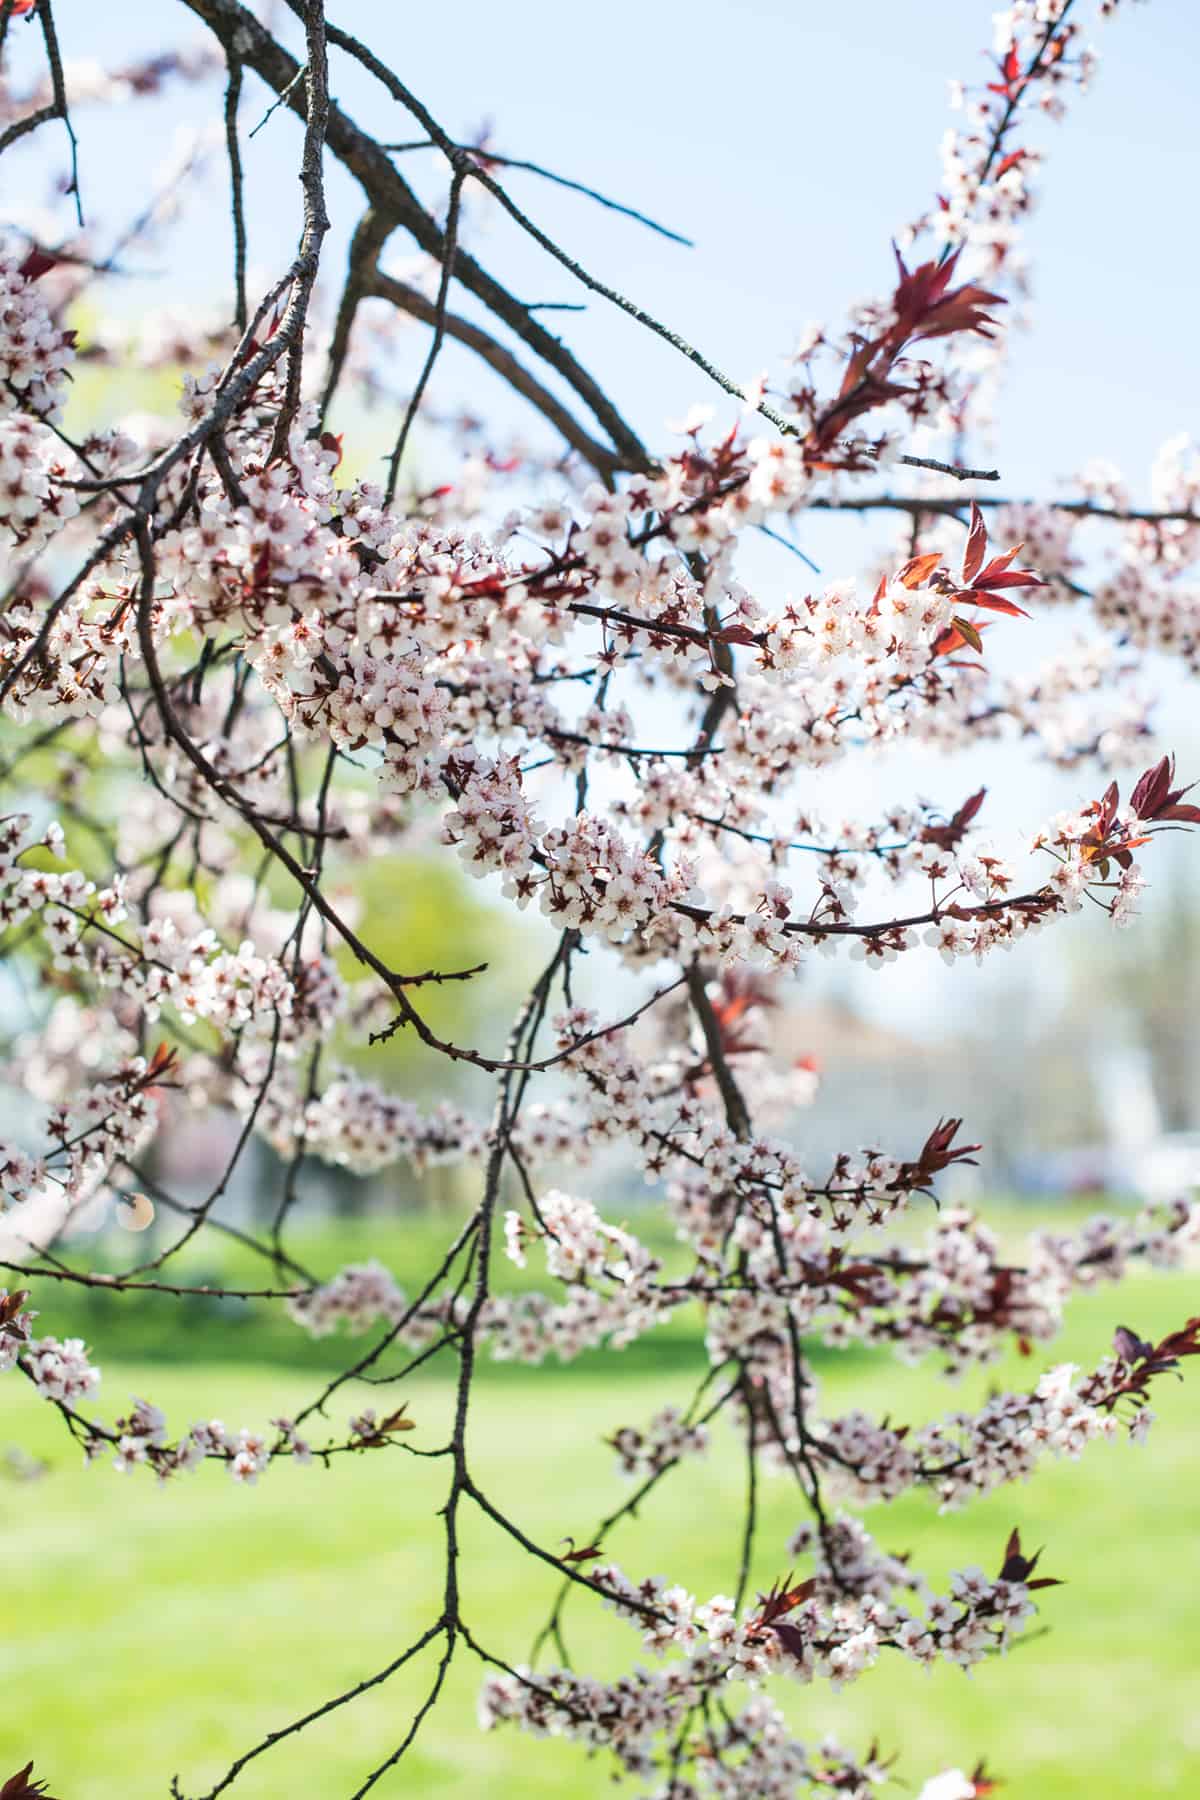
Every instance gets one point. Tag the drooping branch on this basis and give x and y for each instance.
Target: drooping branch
(298, 670)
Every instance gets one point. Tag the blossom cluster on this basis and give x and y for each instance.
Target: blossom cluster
(667, 1437)
(62, 1372)
(791, 1632)
(35, 352)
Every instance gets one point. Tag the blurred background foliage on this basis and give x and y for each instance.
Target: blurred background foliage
(169, 1631)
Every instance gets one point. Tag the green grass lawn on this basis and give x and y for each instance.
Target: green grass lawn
(153, 1631)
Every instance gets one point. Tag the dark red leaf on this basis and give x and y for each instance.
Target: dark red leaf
(792, 1638)
(587, 1553)
(926, 305)
(1154, 797)
(1129, 1346)
(36, 263)
(1151, 789)
(1019, 1567)
(21, 1786)
(950, 835)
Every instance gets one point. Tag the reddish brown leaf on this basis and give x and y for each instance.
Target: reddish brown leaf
(937, 1153)
(950, 835)
(990, 603)
(1009, 578)
(397, 1421)
(976, 548)
(927, 306)
(919, 569)
(1000, 574)
(782, 1599)
(983, 1783)
(948, 641)
(160, 1063)
(11, 1305)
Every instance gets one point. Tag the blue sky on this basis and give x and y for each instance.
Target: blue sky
(791, 142)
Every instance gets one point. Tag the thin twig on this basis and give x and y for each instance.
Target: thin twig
(493, 159)
(233, 93)
(58, 87)
(281, 98)
(439, 333)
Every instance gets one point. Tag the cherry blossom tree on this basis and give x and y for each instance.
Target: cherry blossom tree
(308, 671)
